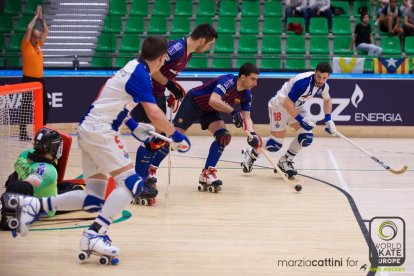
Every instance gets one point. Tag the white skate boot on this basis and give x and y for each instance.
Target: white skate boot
(250, 155)
(286, 165)
(208, 181)
(94, 244)
(152, 174)
(27, 213)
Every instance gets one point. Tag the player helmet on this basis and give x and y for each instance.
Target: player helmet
(48, 140)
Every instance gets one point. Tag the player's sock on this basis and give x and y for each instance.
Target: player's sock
(160, 155)
(294, 149)
(119, 198)
(216, 150)
(143, 161)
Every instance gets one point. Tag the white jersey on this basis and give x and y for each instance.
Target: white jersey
(300, 89)
(129, 86)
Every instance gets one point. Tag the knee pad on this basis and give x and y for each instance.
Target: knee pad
(134, 184)
(92, 204)
(305, 139)
(223, 137)
(274, 144)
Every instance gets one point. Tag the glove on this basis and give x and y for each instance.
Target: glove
(180, 142)
(254, 140)
(305, 123)
(329, 125)
(140, 131)
(176, 89)
(237, 118)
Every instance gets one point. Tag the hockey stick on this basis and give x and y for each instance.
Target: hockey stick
(295, 185)
(385, 166)
(160, 136)
(167, 193)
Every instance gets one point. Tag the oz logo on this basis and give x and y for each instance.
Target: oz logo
(388, 236)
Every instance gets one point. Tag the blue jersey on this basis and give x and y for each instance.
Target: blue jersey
(129, 86)
(226, 87)
(175, 61)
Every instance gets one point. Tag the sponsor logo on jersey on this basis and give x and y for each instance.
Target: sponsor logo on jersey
(175, 48)
(221, 88)
(228, 83)
(180, 120)
(41, 169)
(236, 100)
(174, 72)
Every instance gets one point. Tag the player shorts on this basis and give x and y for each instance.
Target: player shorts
(138, 113)
(189, 112)
(280, 118)
(102, 149)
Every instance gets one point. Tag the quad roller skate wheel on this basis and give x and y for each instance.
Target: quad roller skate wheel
(13, 223)
(143, 202)
(200, 188)
(211, 189)
(13, 202)
(83, 256)
(104, 260)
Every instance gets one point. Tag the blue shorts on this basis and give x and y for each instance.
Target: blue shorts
(189, 112)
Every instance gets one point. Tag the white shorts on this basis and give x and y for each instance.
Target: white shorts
(102, 149)
(280, 118)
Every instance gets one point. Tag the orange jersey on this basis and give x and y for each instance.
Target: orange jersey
(32, 59)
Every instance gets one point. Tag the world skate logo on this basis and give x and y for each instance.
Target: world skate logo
(388, 236)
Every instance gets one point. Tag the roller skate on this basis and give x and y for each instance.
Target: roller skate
(250, 155)
(286, 165)
(208, 181)
(27, 212)
(94, 244)
(8, 207)
(147, 197)
(152, 174)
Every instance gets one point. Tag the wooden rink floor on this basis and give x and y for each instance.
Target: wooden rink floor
(249, 228)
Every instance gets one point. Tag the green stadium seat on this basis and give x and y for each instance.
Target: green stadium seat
(157, 25)
(206, 8)
(295, 63)
(409, 45)
(316, 59)
(130, 43)
(271, 45)
(319, 45)
(248, 44)
(203, 19)
(341, 26)
(295, 44)
(222, 63)
(117, 7)
(358, 4)
(228, 8)
(12, 7)
(390, 45)
(139, 7)
(2, 43)
(180, 24)
(12, 60)
(122, 61)
(225, 44)
(106, 43)
(318, 25)
(273, 8)
(135, 24)
(22, 23)
(272, 26)
(250, 8)
(112, 24)
(183, 8)
(198, 61)
(31, 7)
(249, 25)
(299, 20)
(98, 61)
(162, 8)
(15, 42)
(341, 46)
(6, 23)
(271, 62)
(244, 59)
(341, 4)
(226, 25)
(177, 36)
